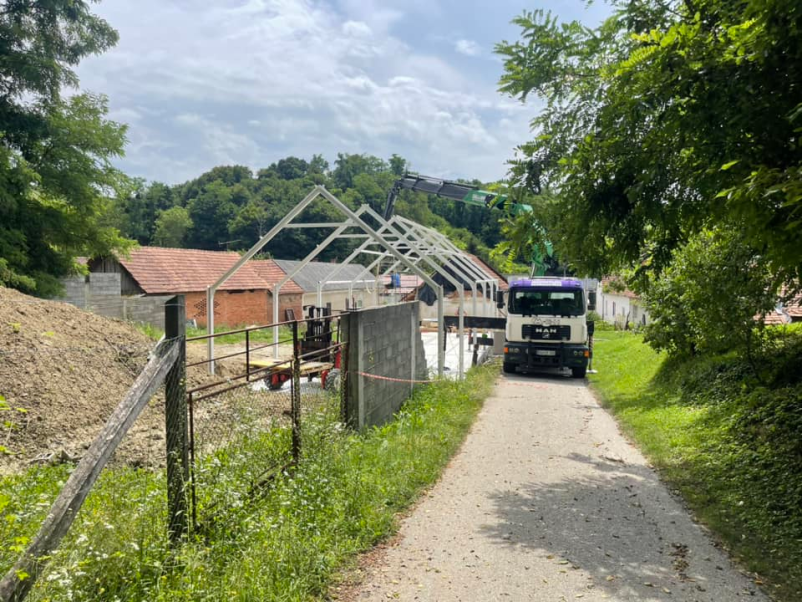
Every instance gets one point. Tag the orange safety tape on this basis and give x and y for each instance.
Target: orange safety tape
(395, 380)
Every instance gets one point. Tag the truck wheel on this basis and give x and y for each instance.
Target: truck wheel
(333, 380)
(508, 368)
(578, 372)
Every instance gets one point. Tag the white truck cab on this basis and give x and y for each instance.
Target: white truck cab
(547, 325)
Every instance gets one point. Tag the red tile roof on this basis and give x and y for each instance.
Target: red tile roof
(774, 318)
(159, 270)
(491, 273)
(271, 273)
(794, 307)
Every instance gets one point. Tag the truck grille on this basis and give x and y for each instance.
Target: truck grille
(546, 333)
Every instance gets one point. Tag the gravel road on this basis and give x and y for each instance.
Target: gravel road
(548, 501)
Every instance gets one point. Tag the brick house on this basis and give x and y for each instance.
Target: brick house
(292, 295)
(245, 299)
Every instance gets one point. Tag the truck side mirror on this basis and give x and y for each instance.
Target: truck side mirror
(500, 299)
(591, 300)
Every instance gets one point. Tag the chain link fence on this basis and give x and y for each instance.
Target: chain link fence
(82, 399)
(245, 426)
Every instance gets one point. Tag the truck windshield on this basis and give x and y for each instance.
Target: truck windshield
(546, 302)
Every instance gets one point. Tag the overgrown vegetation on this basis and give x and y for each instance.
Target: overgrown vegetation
(725, 435)
(288, 545)
(667, 119)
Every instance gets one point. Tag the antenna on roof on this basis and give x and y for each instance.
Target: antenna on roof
(228, 242)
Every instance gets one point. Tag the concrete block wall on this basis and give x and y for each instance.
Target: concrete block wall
(382, 342)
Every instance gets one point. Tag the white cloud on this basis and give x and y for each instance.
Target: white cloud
(467, 47)
(250, 82)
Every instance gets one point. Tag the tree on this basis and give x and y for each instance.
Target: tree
(250, 224)
(56, 177)
(347, 167)
(318, 165)
(172, 226)
(668, 119)
(291, 168)
(140, 208)
(707, 299)
(398, 165)
(210, 213)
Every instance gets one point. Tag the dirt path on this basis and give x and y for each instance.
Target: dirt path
(547, 501)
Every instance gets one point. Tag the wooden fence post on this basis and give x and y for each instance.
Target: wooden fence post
(21, 577)
(176, 432)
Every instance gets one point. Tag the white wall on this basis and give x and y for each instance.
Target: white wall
(620, 309)
(337, 298)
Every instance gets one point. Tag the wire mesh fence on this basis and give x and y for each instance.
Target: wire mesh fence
(246, 425)
(202, 449)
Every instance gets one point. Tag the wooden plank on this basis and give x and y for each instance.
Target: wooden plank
(315, 367)
(73, 495)
(306, 367)
(269, 363)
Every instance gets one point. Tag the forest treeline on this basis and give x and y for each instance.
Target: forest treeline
(231, 207)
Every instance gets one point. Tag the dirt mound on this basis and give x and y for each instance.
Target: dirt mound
(62, 372)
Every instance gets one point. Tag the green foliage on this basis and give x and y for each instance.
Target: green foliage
(728, 441)
(264, 335)
(668, 118)
(228, 207)
(149, 330)
(172, 226)
(707, 299)
(56, 176)
(210, 213)
(286, 545)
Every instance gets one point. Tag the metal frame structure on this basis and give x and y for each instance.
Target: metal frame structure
(406, 244)
(353, 219)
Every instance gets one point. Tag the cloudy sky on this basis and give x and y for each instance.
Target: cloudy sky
(203, 83)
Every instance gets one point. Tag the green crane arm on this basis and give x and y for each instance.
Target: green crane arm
(464, 193)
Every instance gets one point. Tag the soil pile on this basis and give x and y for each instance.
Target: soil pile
(62, 372)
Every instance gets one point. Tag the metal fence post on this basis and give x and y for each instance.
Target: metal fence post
(295, 409)
(176, 422)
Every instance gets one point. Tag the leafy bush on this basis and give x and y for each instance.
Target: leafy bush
(707, 299)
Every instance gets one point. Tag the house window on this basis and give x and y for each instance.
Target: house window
(613, 308)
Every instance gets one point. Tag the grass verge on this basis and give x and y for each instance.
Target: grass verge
(729, 442)
(342, 499)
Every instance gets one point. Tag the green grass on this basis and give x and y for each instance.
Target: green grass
(264, 335)
(289, 545)
(727, 438)
(149, 330)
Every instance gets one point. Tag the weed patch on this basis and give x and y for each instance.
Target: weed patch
(341, 500)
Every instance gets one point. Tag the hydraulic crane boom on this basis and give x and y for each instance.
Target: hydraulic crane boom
(465, 193)
(470, 195)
